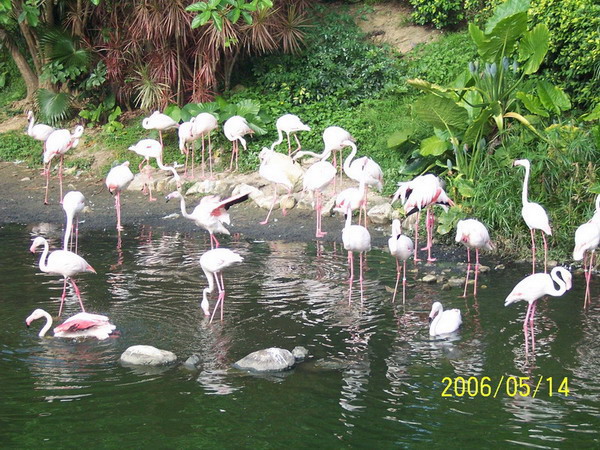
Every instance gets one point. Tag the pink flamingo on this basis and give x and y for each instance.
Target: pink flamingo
(151, 148)
(356, 238)
(316, 179)
(185, 132)
(117, 180)
(443, 322)
(211, 213)
(535, 286)
(587, 238)
(62, 262)
(235, 128)
(73, 203)
(40, 131)
(401, 247)
(204, 124)
(352, 197)
(289, 124)
(421, 192)
(159, 121)
(57, 144)
(213, 262)
(473, 234)
(78, 326)
(534, 216)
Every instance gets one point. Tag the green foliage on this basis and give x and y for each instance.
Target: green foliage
(107, 111)
(53, 106)
(17, 146)
(439, 13)
(217, 11)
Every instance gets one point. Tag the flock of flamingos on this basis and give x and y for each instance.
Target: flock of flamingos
(421, 193)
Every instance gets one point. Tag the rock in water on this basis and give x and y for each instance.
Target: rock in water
(268, 360)
(146, 355)
(300, 353)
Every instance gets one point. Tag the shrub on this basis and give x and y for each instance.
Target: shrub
(439, 13)
(17, 146)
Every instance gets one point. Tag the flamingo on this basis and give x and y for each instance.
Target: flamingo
(336, 138)
(62, 262)
(185, 132)
(316, 179)
(235, 128)
(587, 238)
(473, 234)
(211, 213)
(117, 180)
(73, 203)
(57, 144)
(534, 216)
(289, 124)
(151, 148)
(353, 196)
(204, 124)
(212, 263)
(401, 247)
(596, 217)
(278, 169)
(421, 192)
(159, 121)
(40, 131)
(356, 238)
(78, 326)
(443, 322)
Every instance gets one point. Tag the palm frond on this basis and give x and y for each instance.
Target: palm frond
(53, 106)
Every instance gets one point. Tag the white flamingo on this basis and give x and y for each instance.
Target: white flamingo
(151, 148)
(78, 326)
(534, 215)
(204, 124)
(356, 238)
(39, 131)
(317, 177)
(473, 234)
(62, 262)
(186, 136)
(587, 238)
(159, 121)
(117, 180)
(213, 262)
(57, 144)
(401, 247)
(443, 322)
(289, 124)
(73, 203)
(235, 128)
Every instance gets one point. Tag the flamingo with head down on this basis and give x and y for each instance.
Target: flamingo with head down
(73, 203)
(57, 144)
(235, 128)
(117, 180)
(473, 234)
(151, 148)
(159, 121)
(204, 124)
(213, 262)
(401, 247)
(289, 124)
(78, 326)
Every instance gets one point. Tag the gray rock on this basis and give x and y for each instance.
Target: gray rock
(146, 355)
(484, 269)
(456, 282)
(429, 279)
(300, 353)
(381, 213)
(268, 360)
(192, 362)
(500, 267)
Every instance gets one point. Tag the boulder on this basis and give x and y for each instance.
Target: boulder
(300, 353)
(146, 355)
(268, 360)
(380, 213)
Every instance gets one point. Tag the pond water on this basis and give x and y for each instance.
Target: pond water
(374, 378)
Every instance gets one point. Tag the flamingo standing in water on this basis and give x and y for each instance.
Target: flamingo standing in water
(443, 322)
(356, 238)
(78, 326)
(421, 192)
(534, 216)
(473, 234)
(204, 124)
(401, 247)
(235, 128)
(289, 124)
(57, 144)
(151, 148)
(62, 262)
(211, 213)
(213, 262)
(316, 179)
(73, 203)
(117, 180)
(587, 238)
(39, 131)
(278, 169)
(159, 121)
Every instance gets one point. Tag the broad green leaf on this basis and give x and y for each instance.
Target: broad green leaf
(247, 17)
(533, 48)
(524, 121)
(192, 109)
(212, 4)
(465, 187)
(234, 15)
(441, 113)
(200, 20)
(505, 10)
(552, 97)
(257, 129)
(502, 40)
(478, 37)
(248, 107)
(174, 112)
(217, 20)
(399, 137)
(195, 7)
(433, 146)
(593, 115)
(427, 86)
(532, 103)
(478, 128)
(496, 109)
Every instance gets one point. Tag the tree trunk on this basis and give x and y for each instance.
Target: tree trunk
(29, 76)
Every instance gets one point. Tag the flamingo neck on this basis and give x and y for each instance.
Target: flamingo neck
(68, 229)
(31, 123)
(278, 141)
(163, 167)
(349, 158)
(525, 185)
(183, 211)
(436, 319)
(211, 287)
(348, 216)
(562, 284)
(46, 327)
(43, 259)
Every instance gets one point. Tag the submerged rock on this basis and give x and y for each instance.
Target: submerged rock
(146, 355)
(192, 362)
(300, 353)
(268, 360)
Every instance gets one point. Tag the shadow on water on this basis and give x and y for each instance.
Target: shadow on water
(374, 375)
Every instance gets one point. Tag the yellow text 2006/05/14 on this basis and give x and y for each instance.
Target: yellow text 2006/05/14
(505, 385)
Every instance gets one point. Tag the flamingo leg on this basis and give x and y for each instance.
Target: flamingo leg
(209, 155)
(476, 271)
(588, 277)
(232, 155)
(351, 263)
(118, 208)
(397, 279)
(297, 142)
(532, 250)
(264, 222)
(468, 270)
(214, 243)
(416, 258)
(47, 182)
(60, 176)
(221, 296)
(429, 225)
(62, 297)
(360, 276)
(77, 292)
(404, 282)
(545, 252)
(289, 144)
(187, 155)
(319, 206)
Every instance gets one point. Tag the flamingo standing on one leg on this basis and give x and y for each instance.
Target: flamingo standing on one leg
(57, 144)
(211, 213)
(235, 128)
(73, 203)
(316, 179)
(117, 180)
(356, 238)
(213, 262)
(159, 121)
(289, 124)
(401, 247)
(62, 262)
(535, 286)
(151, 148)
(473, 234)
(78, 326)
(587, 238)
(204, 124)
(535, 216)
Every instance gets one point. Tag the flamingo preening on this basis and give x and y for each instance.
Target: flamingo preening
(57, 144)
(204, 124)
(473, 234)
(62, 262)
(534, 215)
(289, 124)
(235, 128)
(401, 247)
(159, 121)
(213, 262)
(78, 326)
(443, 322)
(117, 180)
(316, 178)
(73, 203)
(151, 148)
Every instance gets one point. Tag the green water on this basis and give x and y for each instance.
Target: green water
(374, 378)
